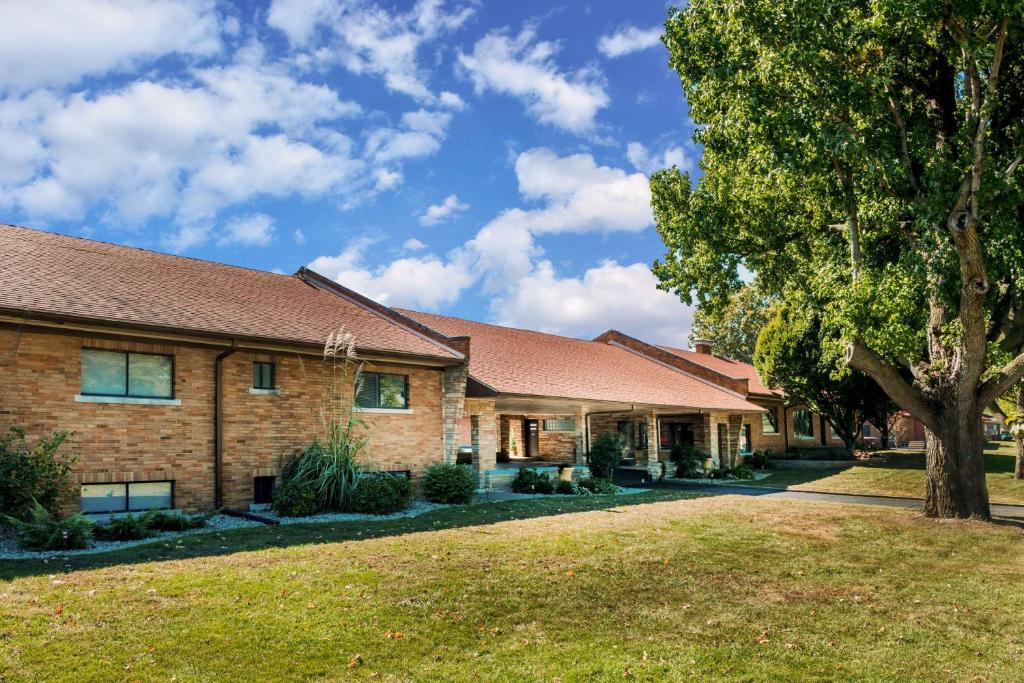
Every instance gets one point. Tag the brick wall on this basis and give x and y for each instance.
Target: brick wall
(118, 442)
(555, 446)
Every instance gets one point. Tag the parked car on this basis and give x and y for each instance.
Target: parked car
(1006, 436)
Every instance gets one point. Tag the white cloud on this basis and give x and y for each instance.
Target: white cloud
(624, 297)
(419, 134)
(253, 230)
(451, 101)
(57, 42)
(413, 244)
(629, 39)
(368, 39)
(418, 282)
(437, 213)
(299, 236)
(646, 162)
(183, 150)
(526, 69)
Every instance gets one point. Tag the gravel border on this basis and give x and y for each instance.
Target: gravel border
(418, 507)
(9, 549)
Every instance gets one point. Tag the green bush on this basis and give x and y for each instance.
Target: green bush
(169, 521)
(448, 483)
(30, 475)
(45, 531)
(295, 499)
(759, 460)
(689, 460)
(606, 454)
(127, 527)
(599, 485)
(743, 472)
(532, 481)
(380, 493)
(328, 469)
(566, 488)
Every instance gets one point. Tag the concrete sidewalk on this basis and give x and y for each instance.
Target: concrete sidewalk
(1014, 512)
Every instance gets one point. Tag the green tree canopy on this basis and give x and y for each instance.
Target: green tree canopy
(867, 153)
(733, 327)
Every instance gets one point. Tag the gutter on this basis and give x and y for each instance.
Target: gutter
(218, 431)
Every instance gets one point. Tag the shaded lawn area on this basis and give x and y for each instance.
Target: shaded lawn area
(723, 587)
(899, 473)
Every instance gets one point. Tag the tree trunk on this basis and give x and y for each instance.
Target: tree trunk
(955, 477)
(1018, 469)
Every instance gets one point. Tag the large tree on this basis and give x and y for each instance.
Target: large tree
(868, 152)
(794, 353)
(732, 329)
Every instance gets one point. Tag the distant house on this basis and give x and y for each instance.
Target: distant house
(545, 398)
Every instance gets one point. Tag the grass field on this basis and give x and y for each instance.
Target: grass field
(900, 473)
(713, 588)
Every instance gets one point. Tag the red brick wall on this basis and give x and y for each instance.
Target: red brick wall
(117, 442)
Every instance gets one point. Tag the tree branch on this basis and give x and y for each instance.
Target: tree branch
(995, 387)
(860, 357)
(897, 116)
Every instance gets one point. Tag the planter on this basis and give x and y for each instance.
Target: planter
(709, 464)
(565, 474)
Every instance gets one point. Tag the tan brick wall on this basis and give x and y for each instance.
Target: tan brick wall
(555, 446)
(760, 440)
(118, 442)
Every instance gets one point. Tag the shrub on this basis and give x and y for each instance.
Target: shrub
(566, 488)
(380, 493)
(45, 531)
(733, 473)
(599, 485)
(689, 460)
(448, 483)
(329, 470)
(606, 454)
(531, 481)
(759, 460)
(294, 499)
(30, 475)
(169, 521)
(127, 527)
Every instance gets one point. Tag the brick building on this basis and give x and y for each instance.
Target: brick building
(187, 382)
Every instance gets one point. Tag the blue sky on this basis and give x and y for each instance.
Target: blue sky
(481, 159)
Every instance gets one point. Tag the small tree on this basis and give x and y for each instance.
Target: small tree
(606, 454)
(1012, 406)
(32, 474)
(792, 353)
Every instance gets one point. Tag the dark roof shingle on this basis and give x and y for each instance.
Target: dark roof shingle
(49, 274)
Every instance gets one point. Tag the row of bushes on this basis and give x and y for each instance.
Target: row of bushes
(375, 493)
(530, 481)
(45, 530)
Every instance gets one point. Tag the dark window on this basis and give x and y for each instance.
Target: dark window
(626, 430)
(136, 496)
(803, 424)
(770, 421)
(381, 390)
(263, 490)
(723, 440)
(641, 435)
(867, 430)
(262, 375)
(745, 441)
(123, 373)
(560, 425)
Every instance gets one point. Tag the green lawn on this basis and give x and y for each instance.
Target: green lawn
(711, 588)
(900, 473)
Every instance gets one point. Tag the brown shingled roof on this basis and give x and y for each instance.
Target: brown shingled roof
(526, 363)
(46, 275)
(729, 368)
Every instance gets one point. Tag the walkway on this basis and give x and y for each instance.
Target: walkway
(1015, 512)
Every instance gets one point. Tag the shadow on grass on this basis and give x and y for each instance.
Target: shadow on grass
(259, 538)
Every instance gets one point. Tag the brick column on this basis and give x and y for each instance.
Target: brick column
(653, 446)
(735, 425)
(484, 433)
(581, 446)
(453, 386)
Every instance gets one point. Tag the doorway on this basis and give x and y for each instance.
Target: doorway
(531, 438)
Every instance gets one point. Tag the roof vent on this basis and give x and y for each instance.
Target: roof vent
(702, 346)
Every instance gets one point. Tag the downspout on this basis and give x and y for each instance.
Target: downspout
(218, 431)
